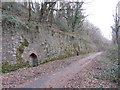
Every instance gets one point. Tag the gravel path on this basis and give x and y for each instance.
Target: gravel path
(60, 77)
(24, 75)
(74, 72)
(89, 77)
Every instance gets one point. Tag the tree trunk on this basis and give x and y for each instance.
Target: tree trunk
(29, 17)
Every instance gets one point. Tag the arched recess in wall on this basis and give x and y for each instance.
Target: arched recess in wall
(33, 60)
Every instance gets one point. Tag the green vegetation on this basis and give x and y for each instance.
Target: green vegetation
(68, 53)
(57, 58)
(81, 53)
(0, 68)
(6, 8)
(110, 66)
(7, 67)
(20, 50)
(11, 20)
(53, 59)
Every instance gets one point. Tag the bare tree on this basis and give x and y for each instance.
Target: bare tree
(115, 28)
(25, 3)
(29, 10)
(78, 17)
(71, 12)
(46, 12)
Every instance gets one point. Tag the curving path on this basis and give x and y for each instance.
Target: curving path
(59, 78)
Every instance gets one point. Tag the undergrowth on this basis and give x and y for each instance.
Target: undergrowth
(110, 65)
(53, 59)
(7, 67)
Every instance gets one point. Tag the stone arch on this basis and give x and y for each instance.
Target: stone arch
(33, 60)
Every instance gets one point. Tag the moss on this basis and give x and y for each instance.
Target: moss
(20, 50)
(70, 51)
(25, 43)
(7, 67)
(5, 7)
(57, 58)
(11, 20)
(0, 68)
(20, 61)
(43, 61)
(81, 52)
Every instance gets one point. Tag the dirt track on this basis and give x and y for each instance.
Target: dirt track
(59, 78)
